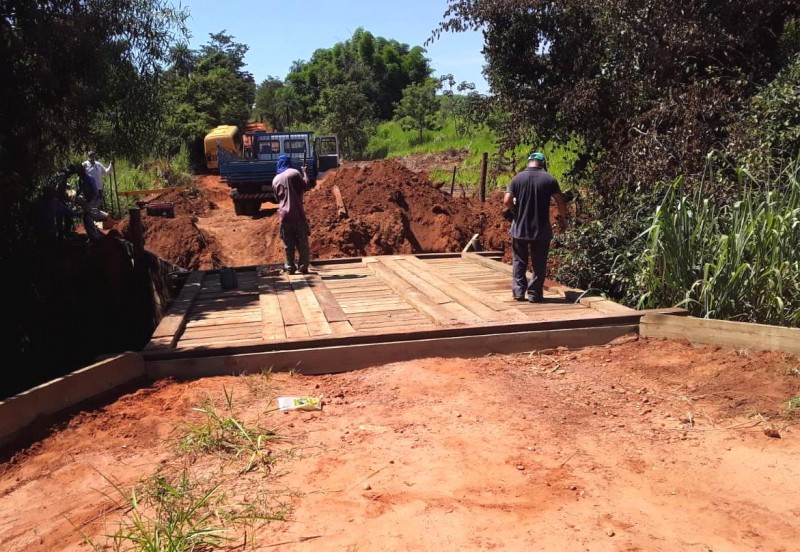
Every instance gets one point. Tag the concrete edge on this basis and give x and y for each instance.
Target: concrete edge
(23, 410)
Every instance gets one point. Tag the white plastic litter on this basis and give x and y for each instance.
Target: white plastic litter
(299, 403)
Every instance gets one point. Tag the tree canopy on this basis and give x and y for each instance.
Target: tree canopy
(648, 86)
(381, 69)
(206, 88)
(75, 75)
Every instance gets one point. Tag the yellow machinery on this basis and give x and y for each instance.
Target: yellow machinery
(226, 136)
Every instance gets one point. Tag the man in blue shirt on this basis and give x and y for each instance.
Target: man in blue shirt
(528, 197)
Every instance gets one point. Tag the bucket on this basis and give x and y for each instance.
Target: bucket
(227, 278)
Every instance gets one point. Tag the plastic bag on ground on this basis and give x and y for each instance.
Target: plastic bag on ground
(299, 403)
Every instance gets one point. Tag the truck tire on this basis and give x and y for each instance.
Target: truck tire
(239, 207)
(253, 207)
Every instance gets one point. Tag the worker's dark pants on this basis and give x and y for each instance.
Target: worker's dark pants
(295, 237)
(537, 250)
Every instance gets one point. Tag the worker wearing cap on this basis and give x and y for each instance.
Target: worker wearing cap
(290, 185)
(528, 197)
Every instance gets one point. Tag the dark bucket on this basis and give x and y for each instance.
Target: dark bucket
(227, 278)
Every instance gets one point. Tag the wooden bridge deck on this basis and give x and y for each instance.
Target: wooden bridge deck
(362, 300)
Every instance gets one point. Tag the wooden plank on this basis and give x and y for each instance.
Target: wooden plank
(337, 194)
(197, 315)
(232, 330)
(297, 331)
(604, 305)
(343, 327)
(476, 301)
(174, 321)
(740, 335)
(290, 308)
(325, 360)
(374, 308)
(154, 191)
(312, 312)
(399, 267)
(413, 296)
(211, 342)
(581, 318)
(255, 317)
(272, 327)
(325, 299)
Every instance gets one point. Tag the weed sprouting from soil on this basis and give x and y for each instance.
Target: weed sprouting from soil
(793, 407)
(183, 513)
(198, 506)
(228, 434)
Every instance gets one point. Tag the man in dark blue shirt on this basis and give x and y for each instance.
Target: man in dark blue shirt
(528, 197)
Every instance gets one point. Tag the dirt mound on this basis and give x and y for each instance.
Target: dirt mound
(392, 209)
(179, 241)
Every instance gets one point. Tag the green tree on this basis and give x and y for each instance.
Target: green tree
(379, 67)
(206, 88)
(266, 105)
(650, 84)
(344, 110)
(75, 74)
(418, 109)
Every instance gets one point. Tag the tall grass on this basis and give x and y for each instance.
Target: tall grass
(736, 260)
(151, 174)
(390, 140)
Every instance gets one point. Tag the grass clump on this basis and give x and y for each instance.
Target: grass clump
(226, 433)
(183, 514)
(793, 405)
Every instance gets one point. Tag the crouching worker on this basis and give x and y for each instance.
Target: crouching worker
(290, 185)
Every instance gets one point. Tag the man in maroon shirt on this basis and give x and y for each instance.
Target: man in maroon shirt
(290, 185)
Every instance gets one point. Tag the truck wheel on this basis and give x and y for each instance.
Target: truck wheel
(253, 207)
(239, 207)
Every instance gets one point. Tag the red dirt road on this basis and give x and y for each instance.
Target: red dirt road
(645, 445)
(576, 450)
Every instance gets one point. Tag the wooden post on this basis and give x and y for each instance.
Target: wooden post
(484, 163)
(137, 232)
(453, 182)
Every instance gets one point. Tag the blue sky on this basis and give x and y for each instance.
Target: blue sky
(279, 33)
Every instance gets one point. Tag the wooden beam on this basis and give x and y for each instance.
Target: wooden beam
(153, 191)
(473, 299)
(174, 322)
(471, 243)
(327, 360)
(325, 299)
(587, 319)
(603, 305)
(337, 194)
(271, 317)
(412, 295)
(312, 312)
(739, 335)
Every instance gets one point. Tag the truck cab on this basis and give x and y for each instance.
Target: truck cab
(250, 176)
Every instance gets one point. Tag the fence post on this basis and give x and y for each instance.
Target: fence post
(484, 163)
(137, 232)
(453, 181)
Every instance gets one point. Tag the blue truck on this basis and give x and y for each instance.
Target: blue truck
(250, 175)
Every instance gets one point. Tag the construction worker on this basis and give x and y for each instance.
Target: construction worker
(96, 170)
(290, 185)
(88, 200)
(528, 197)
